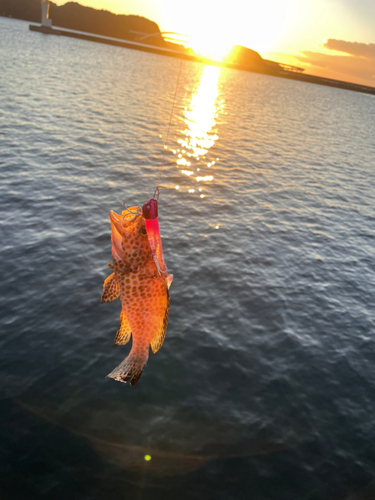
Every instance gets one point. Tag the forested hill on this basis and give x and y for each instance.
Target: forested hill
(74, 16)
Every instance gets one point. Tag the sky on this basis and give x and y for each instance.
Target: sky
(329, 38)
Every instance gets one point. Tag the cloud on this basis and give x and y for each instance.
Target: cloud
(358, 49)
(348, 61)
(356, 64)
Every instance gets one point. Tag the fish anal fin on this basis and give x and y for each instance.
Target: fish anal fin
(111, 289)
(124, 332)
(158, 339)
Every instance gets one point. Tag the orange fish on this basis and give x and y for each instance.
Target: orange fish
(143, 289)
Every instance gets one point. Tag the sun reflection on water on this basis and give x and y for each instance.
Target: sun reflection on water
(200, 134)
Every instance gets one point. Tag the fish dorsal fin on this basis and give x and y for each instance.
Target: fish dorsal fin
(158, 339)
(124, 332)
(111, 289)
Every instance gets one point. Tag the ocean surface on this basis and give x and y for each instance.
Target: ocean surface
(264, 388)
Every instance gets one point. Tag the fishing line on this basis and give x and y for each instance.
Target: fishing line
(157, 190)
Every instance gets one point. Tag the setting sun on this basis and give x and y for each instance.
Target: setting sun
(209, 44)
(205, 25)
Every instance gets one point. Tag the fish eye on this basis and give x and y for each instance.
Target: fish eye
(143, 231)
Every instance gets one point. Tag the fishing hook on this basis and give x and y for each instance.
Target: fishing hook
(136, 214)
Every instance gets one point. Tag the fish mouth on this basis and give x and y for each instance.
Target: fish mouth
(122, 223)
(117, 222)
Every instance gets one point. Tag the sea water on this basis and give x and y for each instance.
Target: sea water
(264, 387)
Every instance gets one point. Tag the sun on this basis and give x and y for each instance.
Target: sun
(205, 25)
(212, 27)
(209, 44)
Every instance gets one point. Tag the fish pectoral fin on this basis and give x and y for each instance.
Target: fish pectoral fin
(124, 332)
(111, 289)
(158, 339)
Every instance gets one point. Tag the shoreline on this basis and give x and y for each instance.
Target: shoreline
(263, 69)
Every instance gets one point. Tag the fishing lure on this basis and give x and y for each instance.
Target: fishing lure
(150, 214)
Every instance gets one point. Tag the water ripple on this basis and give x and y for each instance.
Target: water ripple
(265, 380)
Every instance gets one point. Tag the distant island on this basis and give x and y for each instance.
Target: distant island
(74, 16)
(136, 32)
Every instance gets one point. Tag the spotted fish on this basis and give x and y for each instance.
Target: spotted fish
(143, 290)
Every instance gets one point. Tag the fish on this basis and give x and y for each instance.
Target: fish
(143, 291)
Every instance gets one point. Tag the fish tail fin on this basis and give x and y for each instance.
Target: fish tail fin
(131, 368)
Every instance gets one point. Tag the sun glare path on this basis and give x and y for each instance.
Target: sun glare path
(200, 132)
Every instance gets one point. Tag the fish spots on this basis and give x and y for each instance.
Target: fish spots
(143, 292)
